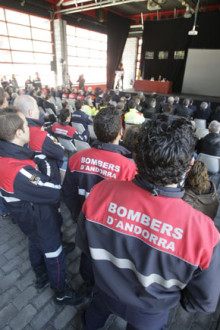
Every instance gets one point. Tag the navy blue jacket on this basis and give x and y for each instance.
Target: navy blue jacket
(30, 196)
(149, 248)
(48, 152)
(90, 166)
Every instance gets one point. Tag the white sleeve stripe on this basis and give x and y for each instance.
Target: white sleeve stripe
(54, 254)
(83, 192)
(40, 183)
(9, 199)
(122, 263)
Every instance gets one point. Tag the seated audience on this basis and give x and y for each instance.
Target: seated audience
(183, 109)
(63, 128)
(80, 116)
(203, 112)
(130, 138)
(210, 144)
(88, 107)
(168, 106)
(133, 116)
(200, 192)
(216, 114)
(151, 108)
(47, 104)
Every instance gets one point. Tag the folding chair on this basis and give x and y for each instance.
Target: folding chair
(81, 145)
(200, 123)
(212, 162)
(79, 127)
(92, 132)
(201, 132)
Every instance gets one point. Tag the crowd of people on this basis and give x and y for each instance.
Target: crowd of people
(143, 207)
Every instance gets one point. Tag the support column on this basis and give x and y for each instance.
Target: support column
(59, 30)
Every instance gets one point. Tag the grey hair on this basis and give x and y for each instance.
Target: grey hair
(24, 103)
(214, 126)
(204, 105)
(170, 100)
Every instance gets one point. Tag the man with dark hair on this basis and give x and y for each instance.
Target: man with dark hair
(105, 160)
(81, 117)
(183, 110)
(149, 248)
(31, 199)
(133, 116)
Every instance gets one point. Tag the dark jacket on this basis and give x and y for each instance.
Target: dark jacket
(183, 111)
(88, 167)
(202, 114)
(48, 152)
(64, 130)
(149, 248)
(207, 202)
(210, 144)
(30, 196)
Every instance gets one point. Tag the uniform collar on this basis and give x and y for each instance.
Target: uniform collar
(35, 122)
(158, 190)
(11, 150)
(110, 147)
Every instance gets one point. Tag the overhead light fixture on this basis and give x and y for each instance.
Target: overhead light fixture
(194, 32)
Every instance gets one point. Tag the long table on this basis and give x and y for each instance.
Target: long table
(162, 87)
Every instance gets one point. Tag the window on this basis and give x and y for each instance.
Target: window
(87, 54)
(25, 46)
(138, 59)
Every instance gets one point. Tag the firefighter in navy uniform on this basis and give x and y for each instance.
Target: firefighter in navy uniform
(31, 198)
(149, 248)
(105, 160)
(48, 152)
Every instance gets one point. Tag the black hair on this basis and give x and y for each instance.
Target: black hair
(107, 124)
(64, 114)
(78, 104)
(131, 104)
(165, 147)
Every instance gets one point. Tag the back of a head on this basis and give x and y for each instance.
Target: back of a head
(24, 103)
(107, 124)
(214, 127)
(204, 106)
(132, 104)
(186, 102)
(64, 114)
(165, 147)
(170, 100)
(176, 99)
(78, 104)
(198, 178)
(10, 122)
(130, 136)
(152, 102)
(120, 106)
